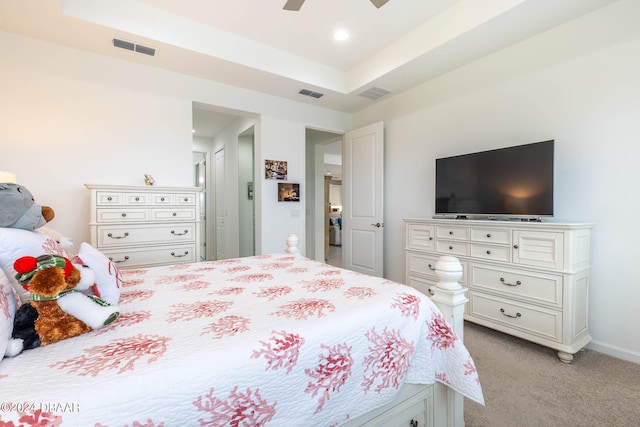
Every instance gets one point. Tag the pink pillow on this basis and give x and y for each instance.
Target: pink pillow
(108, 278)
(16, 243)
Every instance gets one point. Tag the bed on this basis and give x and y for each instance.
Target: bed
(269, 340)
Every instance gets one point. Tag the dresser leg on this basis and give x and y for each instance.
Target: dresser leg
(565, 357)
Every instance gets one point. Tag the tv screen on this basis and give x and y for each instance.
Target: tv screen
(514, 181)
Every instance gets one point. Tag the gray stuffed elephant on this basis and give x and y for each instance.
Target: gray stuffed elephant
(18, 209)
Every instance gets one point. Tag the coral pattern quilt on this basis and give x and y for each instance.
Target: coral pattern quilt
(272, 340)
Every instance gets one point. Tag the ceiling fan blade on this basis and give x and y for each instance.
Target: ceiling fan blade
(293, 5)
(379, 3)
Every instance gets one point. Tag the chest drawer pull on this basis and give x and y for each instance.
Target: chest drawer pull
(118, 237)
(125, 259)
(413, 423)
(173, 254)
(518, 282)
(510, 315)
(179, 234)
(431, 268)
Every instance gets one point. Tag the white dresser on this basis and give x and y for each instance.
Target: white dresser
(139, 226)
(527, 279)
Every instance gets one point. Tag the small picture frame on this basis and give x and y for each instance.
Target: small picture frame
(288, 192)
(275, 169)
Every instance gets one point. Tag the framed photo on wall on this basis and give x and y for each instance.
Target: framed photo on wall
(288, 192)
(275, 169)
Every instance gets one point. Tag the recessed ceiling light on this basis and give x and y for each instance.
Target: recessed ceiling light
(341, 35)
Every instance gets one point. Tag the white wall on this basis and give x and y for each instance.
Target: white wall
(578, 84)
(70, 117)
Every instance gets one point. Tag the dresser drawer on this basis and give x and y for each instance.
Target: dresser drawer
(173, 214)
(457, 233)
(421, 284)
(494, 253)
(453, 248)
(533, 320)
(134, 199)
(537, 288)
(491, 235)
(185, 199)
(134, 235)
(122, 215)
(137, 257)
(162, 199)
(420, 237)
(109, 198)
(422, 265)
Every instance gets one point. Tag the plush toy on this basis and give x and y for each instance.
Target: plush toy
(56, 309)
(19, 210)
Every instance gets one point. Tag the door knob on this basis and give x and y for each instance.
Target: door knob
(377, 224)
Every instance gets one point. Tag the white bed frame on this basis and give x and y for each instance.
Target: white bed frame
(433, 405)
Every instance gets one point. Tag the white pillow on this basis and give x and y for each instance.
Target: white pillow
(16, 243)
(7, 311)
(108, 278)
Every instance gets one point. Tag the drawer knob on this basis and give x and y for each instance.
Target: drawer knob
(450, 248)
(430, 292)
(125, 259)
(173, 254)
(137, 199)
(118, 237)
(431, 268)
(510, 315)
(489, 235)
(515, 246)
(109, 198)
(174, 214)
(186, 199)
(430, 238)
(451, 233)
(179, 234)
(518, 282)
(124, 215)
(162, 199)
(413, 423)
(488, 252)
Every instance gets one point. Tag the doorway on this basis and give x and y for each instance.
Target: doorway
(221, 134)
(200, 180)
(323, 180)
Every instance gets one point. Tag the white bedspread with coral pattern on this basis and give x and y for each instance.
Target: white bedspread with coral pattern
(273, 340)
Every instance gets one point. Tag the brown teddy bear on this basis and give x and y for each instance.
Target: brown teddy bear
(55, 308)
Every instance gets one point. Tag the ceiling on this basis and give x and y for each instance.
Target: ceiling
(257, 45)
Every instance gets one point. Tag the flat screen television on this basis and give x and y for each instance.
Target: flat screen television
(507, 182)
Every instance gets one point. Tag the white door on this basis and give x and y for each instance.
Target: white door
(362, 203)
(220, 207)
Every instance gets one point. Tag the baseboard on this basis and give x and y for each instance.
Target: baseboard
(614, 351)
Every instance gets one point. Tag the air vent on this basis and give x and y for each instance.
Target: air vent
(375, 93)
(123, 44)
(310, 93)
(145, 50)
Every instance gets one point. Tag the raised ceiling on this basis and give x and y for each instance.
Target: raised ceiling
(257, 45)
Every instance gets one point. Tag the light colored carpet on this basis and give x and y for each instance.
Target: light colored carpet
(525, 384)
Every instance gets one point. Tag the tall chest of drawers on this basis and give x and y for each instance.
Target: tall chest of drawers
(139, 226)
(527, 279)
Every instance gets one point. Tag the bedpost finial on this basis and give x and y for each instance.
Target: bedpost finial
(292, 244)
